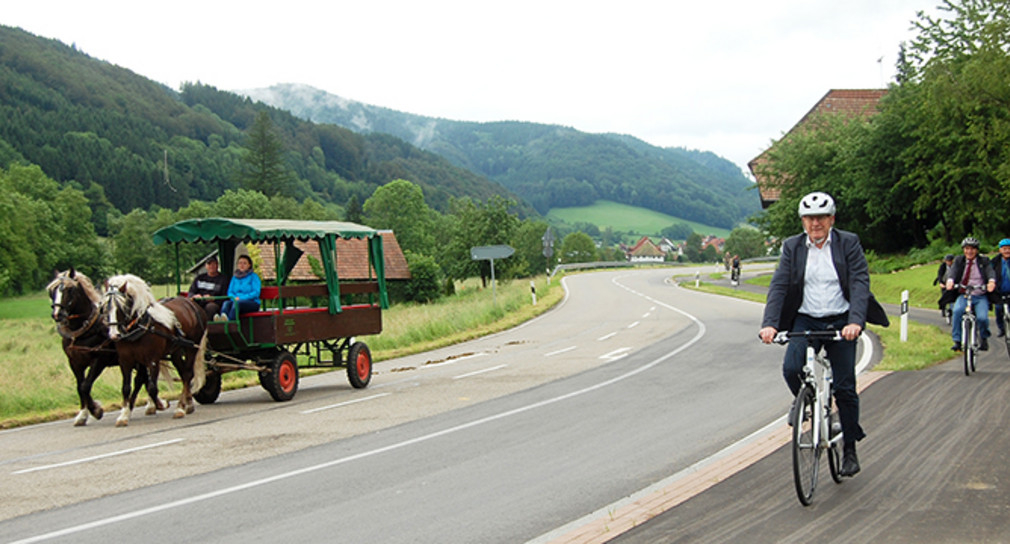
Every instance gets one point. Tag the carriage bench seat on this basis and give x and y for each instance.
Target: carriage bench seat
(273, 292)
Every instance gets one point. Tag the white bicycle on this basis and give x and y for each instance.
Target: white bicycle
(814, 428)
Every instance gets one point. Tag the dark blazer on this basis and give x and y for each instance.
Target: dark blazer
(956, 273)
(785, 294)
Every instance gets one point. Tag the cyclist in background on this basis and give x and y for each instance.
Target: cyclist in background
(941, 280)
(977, 271)
(823, 282)
(1001, 268)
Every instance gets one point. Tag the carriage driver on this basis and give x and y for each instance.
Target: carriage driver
(208, 285)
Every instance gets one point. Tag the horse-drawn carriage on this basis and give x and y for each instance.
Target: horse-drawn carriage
(304, 325)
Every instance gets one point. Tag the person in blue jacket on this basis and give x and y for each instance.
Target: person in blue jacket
(243, 291)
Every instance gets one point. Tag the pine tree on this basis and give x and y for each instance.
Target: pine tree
(263, 167)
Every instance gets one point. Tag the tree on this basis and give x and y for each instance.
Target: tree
(353, 211)
(263, 168)
(578, 247)
(746, 242)
(677, 231)
(692, 248)
(399, 205)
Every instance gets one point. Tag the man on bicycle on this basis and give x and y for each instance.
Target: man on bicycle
(941, 279)
(1001, 268)
(823, 283)
(970, 269)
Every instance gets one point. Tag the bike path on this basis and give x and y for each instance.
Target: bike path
(933, 470)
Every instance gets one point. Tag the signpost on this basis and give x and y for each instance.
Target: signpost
(548, 250)
(490, 253)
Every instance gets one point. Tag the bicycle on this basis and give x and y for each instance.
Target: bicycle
(971, 337)
(735, 276)
(811, 418)
(1005, 303)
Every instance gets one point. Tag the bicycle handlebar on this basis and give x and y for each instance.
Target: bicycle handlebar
(782, 337)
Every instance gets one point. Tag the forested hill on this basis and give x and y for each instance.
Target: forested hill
(550, 165)
(108, 130)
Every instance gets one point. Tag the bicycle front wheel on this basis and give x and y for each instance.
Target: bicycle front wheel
(806, 453)
(1006, 324)
(967, 346)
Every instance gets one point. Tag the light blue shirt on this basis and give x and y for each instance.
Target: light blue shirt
(822, 292)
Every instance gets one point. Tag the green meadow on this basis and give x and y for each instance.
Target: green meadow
(625, 218)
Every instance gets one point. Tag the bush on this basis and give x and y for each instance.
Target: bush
(425, 282)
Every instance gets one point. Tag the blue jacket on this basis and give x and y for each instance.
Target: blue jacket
(247, 288)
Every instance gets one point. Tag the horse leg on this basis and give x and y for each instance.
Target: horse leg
(154, 402)
(185, 371)
(84, 385)
(82, 415)
(124, 416)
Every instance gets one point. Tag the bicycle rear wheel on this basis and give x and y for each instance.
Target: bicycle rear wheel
(806, 453)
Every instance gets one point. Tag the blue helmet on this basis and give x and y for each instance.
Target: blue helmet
(1004, 242)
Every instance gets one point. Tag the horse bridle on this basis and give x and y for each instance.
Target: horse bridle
(64, 320)
(111, 309)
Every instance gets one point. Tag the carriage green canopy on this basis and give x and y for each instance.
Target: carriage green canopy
(218, 229)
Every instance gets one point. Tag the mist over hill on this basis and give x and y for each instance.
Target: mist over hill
(549, 166)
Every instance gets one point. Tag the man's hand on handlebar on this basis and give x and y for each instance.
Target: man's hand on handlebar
(767, 334)
(851, 331)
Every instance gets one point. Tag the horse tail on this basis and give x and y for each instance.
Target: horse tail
(165, 371)
(199, 366)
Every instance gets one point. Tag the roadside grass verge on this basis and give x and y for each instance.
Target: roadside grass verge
(36, 384)
(927, 345)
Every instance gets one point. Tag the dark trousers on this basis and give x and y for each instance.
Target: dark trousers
(842, 356)
(232, 310)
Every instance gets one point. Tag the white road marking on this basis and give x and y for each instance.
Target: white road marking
(97, 457)
(616, 354)
(474, 373)
(456, 360)
(339, 404)
(560, 351)
(604, 337)
(633, 325)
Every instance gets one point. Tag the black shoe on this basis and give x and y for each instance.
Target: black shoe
(850, 463)
(956, 346)
(1000, 334)
(985, 345)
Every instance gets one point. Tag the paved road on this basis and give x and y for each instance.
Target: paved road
(498, 440)
(934, 470)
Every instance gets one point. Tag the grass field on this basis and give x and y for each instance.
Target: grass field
(625, 218)
(36, 384)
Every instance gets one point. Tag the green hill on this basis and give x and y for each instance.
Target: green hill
(108, 131)
(625, 218)
(551, 166)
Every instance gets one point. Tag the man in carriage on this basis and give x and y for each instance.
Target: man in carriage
(210, 288)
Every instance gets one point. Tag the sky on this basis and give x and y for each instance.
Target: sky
(724, 76)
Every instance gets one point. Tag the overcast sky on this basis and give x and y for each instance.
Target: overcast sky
(721, 76)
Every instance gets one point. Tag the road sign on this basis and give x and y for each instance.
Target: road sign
(482, 253)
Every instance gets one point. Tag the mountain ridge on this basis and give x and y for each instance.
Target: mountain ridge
(548, 165)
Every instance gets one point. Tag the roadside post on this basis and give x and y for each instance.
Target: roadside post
(548, 239)
(490, 253)
(533, 290)
(697, 279)
(904, 316)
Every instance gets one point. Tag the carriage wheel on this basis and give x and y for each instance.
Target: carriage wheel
(281, 378)
(359, 365)
(211, 389)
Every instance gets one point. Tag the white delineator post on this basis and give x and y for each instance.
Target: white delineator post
(904, 316)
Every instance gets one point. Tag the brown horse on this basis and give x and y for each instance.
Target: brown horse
(75, 300)
(146, 331)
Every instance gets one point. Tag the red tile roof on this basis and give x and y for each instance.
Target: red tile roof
(850, 102)
(352, 259)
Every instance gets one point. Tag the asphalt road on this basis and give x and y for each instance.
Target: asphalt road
(934, 470)
(498, 440)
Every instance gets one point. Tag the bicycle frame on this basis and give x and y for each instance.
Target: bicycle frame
(817, 373)
(969, 328)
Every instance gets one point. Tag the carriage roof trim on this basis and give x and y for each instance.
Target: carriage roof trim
(218, 228)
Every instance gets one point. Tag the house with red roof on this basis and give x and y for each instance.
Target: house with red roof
(849, 102)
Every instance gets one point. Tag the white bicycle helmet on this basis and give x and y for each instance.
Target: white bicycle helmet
(970, 241)
(817, 203)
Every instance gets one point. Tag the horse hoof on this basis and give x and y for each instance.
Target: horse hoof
(98, 413)
(122, 422)
(179, 414)
(78, 422)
